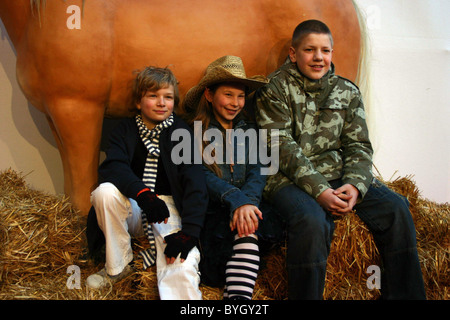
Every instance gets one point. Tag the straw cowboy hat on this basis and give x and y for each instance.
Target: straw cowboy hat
(224, 69)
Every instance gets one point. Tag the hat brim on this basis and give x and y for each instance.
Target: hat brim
(219, 75)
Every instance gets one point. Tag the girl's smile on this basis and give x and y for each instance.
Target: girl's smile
(227, 101)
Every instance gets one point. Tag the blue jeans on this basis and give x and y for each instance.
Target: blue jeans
(310, 231)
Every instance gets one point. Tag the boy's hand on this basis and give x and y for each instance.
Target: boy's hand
(339, 201)
(245, 219)
(154, 208)
(348, 192)
(176, 243)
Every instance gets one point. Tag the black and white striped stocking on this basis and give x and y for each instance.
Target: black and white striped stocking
(242, 268)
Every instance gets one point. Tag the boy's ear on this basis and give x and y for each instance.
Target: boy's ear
(292, 55)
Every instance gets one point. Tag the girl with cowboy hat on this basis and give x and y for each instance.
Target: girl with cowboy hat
(235, 221)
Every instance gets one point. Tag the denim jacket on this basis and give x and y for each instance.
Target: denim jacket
(241, 183)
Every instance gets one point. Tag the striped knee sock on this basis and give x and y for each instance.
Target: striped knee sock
(242, 268)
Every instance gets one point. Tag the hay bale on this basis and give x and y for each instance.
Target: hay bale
(432, 223)
(42, 236)
(353, 251)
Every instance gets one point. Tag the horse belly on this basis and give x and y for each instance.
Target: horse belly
(96, 62)
(188, 35)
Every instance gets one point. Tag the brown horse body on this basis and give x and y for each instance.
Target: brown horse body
(79, 76)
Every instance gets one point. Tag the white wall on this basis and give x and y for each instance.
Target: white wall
(408, 116)
(26, 141)
(410, 80)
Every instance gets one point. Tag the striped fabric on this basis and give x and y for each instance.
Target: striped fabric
(150, 138)
(148, 255)
(242, 268)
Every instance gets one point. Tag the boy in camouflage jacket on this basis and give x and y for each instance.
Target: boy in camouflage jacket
(325, 170)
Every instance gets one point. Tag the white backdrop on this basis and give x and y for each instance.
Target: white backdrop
(408, 104)
(409, 108)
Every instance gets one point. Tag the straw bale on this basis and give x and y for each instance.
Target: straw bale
(42, 236)
(353, 251)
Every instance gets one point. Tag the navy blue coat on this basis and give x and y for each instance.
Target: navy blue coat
(124, 164)
(241, 183)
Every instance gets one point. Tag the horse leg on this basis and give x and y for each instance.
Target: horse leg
(67, 187)
(77, 126)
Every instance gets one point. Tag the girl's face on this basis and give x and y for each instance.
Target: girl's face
(227, 101)
(157, 106)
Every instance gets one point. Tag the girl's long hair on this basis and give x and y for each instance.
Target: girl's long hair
(204, 114)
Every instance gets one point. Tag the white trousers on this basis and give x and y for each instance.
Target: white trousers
(120, 218)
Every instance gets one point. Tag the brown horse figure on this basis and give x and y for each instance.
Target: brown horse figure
(75, 58)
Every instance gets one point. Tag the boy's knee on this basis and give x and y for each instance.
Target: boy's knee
(179, 281)
(109, 201)
(385, 210)
(396, 205)
(186, 272)
(311, 225)
(105, 192)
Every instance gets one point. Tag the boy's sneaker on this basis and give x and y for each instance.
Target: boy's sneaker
(102, 279)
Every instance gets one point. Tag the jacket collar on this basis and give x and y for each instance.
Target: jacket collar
(238, 122)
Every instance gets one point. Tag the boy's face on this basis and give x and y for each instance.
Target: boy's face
(156, 106)
(313, 55)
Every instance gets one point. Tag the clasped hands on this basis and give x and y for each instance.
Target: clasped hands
(340, 201)
(245, 219)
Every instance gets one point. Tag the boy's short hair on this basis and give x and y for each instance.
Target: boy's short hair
(307, 27)
(154, 78)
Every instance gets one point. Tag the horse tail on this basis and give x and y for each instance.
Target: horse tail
(38, 6)
(363, 63)
(363, 77)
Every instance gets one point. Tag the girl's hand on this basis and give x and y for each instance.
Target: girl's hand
(245, 219)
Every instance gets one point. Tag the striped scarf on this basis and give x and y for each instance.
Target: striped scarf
(150, 138)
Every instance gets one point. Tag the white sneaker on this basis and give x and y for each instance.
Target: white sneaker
(102, 279)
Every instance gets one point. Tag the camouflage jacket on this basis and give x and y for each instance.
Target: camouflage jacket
(322, 131)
